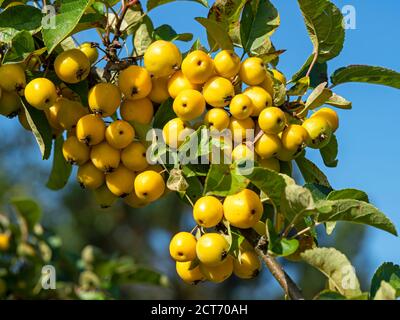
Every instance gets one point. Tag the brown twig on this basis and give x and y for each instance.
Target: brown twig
(313, 62)
(260, 245)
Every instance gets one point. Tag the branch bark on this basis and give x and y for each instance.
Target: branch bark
(260, 245)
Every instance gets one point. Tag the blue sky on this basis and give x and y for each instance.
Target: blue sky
(369, 148)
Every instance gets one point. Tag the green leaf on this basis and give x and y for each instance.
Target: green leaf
(319, 72)
(223, 180)
(270, 182)
(281, 247)
(143, 275)
(21, 18)
(193, 170)
(164, 113)
(216, 32)
(367, 74)
(311, 173)
(194, 192)
(143, 36)
(300, 87)
(81, 89)
(324, 23)
(385, 292)
(339, 102)
(272, 56)
(279, 92)
(194, 146)
(348, 194)
(132, 19)
(40, 128)
(259, 21)
(329, 152)
(329, 295)
(28, 209)
(141, 131)
(227, 14)
(151, 4)
(336, 267)
(22, 45)
(61, 169)
(167, 33)
(236, 241)
(388, 272)
(297, 203)
(354, 211)
(318, 191)
(317, 98)
(90, 21)
(66, 20)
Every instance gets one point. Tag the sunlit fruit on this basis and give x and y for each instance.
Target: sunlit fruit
(227, 63)
(271, 164)
(140, 110)
(149, 185)
(159, 90)
(212, 249)
(183, 247)
(218, 92)
(178, 83)
(260, 98)
(188, 274)
(319, 132)
(242, 152)
(162, 58)
(90, 51)
(241, 129)
(121, 181)
(252, 71)
(330, 115)
(244, 209)
(294, 137)
(119, 134)
(12, 78)
(68, 112)
(104, 157)
(75, 152)
(272, 120)
(40, 93)
(218, 273)
(189, 104)
(89, 176)
(197, 66)
(174, 132)
(208, 211)
(135, 82)
(10, 104)
(72, 66)
(248, 265)
(268, 146)
(134, 156)
(104, 99)
(217, 119)
(241, 106)
(90, 129)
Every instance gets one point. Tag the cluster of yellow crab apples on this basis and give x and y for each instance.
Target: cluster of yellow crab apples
(221, 92)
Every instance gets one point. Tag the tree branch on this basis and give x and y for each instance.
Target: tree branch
(260, 245)
(313, 62)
